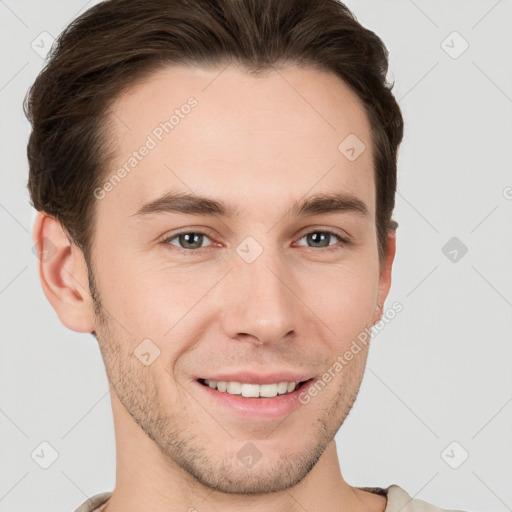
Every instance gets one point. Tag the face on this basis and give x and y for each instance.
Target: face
(260, 281)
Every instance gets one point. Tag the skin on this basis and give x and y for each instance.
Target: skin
(256, 143)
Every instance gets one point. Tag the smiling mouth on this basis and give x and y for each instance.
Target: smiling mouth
(253, 390)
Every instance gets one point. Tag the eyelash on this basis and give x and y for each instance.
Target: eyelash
(191, 252)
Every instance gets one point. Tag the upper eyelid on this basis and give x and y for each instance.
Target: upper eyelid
(342, 233)
(198, 231)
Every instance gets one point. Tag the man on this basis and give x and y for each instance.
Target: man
(264, 134)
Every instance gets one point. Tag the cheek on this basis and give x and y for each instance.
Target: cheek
(152, 299)
(129, 295)
(343, 299)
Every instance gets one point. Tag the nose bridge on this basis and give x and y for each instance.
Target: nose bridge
(262, 305)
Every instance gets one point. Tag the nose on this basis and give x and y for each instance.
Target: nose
(263, 305)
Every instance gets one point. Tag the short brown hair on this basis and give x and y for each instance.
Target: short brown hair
(116, 43)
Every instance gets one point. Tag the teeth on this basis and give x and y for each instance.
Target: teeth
(253, 390)
(234, 388)
(250, 390)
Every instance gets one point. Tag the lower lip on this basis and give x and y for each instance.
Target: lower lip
(267, 408)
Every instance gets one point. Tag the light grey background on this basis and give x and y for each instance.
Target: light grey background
(438, 373)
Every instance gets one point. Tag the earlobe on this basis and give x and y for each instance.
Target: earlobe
(63, 274)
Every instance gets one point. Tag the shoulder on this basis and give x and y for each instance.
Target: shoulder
(93, 503)
(399, 500)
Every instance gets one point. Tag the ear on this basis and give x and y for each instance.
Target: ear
(385, 274)
(63, 274)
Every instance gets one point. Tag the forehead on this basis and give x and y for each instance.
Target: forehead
(252, 140)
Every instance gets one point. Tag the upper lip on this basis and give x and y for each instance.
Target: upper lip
(250, 377)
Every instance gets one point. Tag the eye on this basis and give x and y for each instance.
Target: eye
(188, 240)
(321, 239)
(192, 241)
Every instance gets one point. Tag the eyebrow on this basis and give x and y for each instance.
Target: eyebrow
(174, 202)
